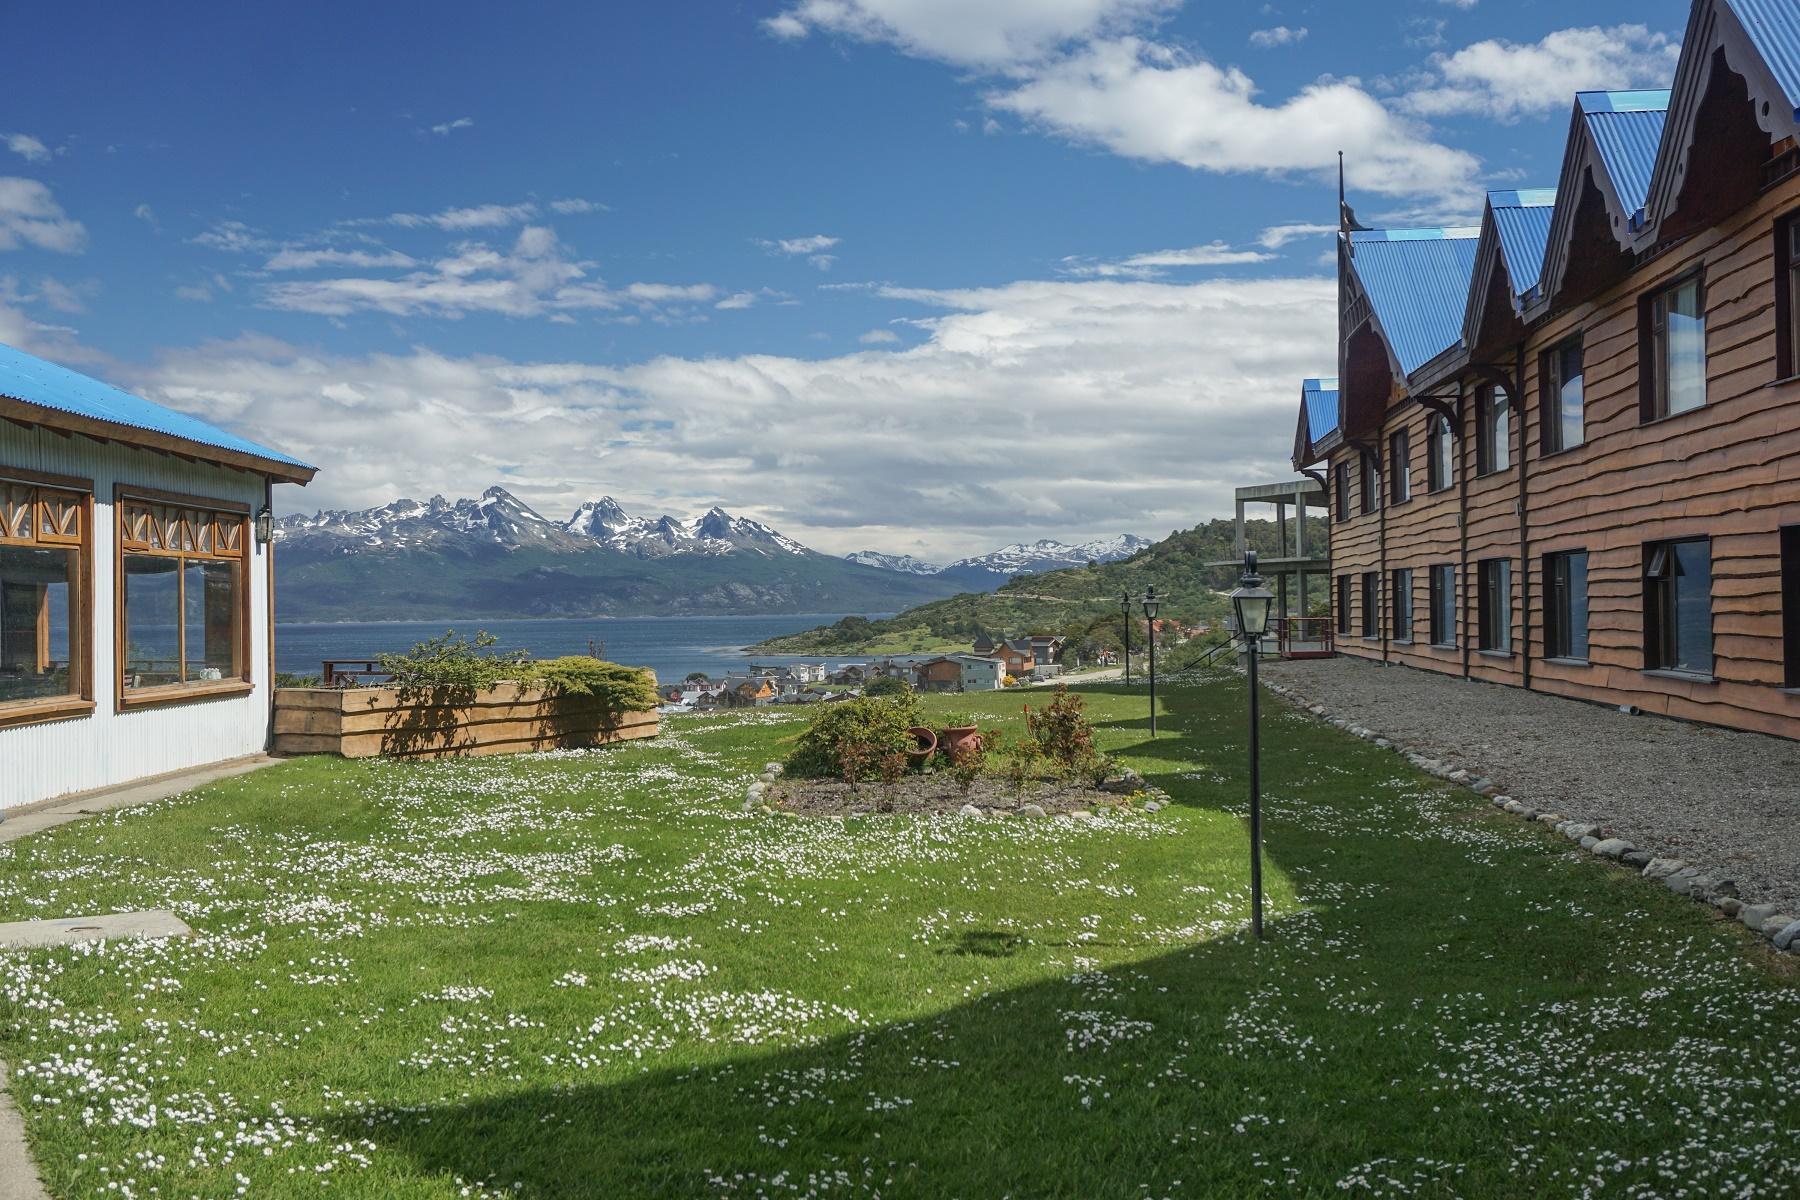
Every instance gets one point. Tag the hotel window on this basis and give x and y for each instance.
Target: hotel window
(1400, 603)
(1343, 605)
(45, 544)
(1440, 466)
(1340, 477)
(1371, 485)
(1566, 605)
(1493, 431)
(1443, 605)
(1400, 466)
(1678, 606)
(1790, 604)
(183, 597)
(1672, 350)
(1563, 424)
(1787, 297)
(1371, 604)
(1494, 620)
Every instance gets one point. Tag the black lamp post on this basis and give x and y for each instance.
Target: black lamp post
(1150, 606)
(1125, 607)
(1251, 602)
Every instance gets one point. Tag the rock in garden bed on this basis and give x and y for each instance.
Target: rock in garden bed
(935, 793)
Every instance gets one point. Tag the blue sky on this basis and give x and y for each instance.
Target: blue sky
(918, 275)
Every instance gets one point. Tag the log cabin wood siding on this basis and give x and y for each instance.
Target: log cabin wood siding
(1728, 470)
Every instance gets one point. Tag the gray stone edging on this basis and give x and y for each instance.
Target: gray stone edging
(1707, 886)
(18, 1174)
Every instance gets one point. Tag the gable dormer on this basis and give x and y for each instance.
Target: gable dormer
(1606, 175)
(1508, 258)
(1318, 425)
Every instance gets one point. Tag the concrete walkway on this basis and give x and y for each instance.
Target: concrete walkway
(30, 818)
(18, 1175)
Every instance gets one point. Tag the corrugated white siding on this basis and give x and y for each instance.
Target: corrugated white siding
(38, 762)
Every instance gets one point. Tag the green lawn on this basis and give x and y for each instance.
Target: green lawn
(595, 975)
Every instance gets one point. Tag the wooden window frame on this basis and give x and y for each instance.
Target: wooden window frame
(1340, 482)
(1493, 607)
(1661, 649)
(1343, 605)
(1550, 385)
(1559, 642)
(80, 701)
(1787, 297)
(1400, 602)
(1487, 445)
(181, 693)
(1368, 484)
(1442, 633)
(1653, 362)
(1438, 426)
(1371, 606)
(1399, 466)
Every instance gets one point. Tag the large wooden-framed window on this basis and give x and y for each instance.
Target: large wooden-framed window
(1371, 605)
(1340, 481)
(1440, 454)
(1370, 484)
(1493, 430)
(1790, 605)
(183, 597)
(46, 590)
(1678, 607)
(1399, 466)
(1343, 605)
(1443, 604)
(1494, 611)
(1400, 603)
(1564, 424)
(1566, 605)
(1672, 350)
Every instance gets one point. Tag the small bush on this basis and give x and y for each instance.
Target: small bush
(849, 739)
(1063, 733)
(887, 685)
(452, 662)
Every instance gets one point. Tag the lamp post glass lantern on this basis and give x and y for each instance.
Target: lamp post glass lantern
(1251, 603)
(1125, 608)
(265, 525)
(1150, 606)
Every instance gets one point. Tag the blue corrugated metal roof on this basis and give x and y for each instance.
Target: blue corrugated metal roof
(1774, 29)
(1627, 128)
(1320, 396)
(1417, 280)
(35, 381)
(1522, 220)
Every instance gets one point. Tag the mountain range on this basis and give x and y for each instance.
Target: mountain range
(985, 572)
(497, 556)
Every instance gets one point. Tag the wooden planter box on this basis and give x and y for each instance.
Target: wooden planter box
(504, 719)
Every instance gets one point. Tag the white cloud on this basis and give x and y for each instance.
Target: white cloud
(233, 237)
(988, 33)
(802, 245)
(1505, 81)
(30, 216)
(737, 300)
(1280, 35)
(1159, 104)
(449, 127)
(146, 214)
(1158, 262)
(856, 438)
(309, 260)
(26, 147)
(65, 297)
(1277, 236)
(21, 330)
(574, 206)
(879, 337)
(534, 277)
(454, 220)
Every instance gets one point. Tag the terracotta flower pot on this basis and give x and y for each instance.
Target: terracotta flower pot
(959, 738)
(927, 742)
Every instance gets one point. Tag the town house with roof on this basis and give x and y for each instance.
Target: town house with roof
(1563, 448)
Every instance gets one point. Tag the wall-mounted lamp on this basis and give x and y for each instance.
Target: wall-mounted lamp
(265, 525)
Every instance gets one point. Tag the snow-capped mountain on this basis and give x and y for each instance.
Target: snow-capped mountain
(904, 563)
(1021, 558)
(497, 518)
(717, 532)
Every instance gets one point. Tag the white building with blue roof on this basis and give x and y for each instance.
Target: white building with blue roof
(136, 585)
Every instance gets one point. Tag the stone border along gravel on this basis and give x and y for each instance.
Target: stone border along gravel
(1782, 928)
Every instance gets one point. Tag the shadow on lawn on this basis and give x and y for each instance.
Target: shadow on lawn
(1052, 1089)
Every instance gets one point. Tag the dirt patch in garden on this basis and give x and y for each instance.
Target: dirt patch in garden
(936, 793)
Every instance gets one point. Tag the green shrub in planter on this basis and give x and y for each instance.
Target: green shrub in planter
(869, 728)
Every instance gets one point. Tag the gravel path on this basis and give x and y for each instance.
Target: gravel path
(1723, 800)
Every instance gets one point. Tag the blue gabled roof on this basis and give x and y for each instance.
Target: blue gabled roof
(1774, 29)
(1522, 221)
(1417, 281)
(1627, 128)
(1320, 398)
(36, 381)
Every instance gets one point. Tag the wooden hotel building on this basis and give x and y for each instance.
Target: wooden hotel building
(1565, 451)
